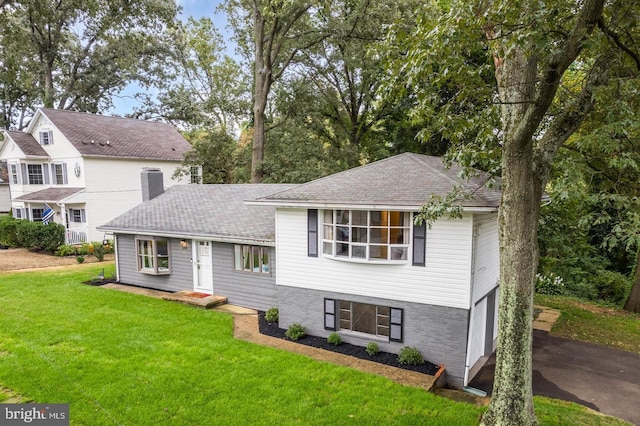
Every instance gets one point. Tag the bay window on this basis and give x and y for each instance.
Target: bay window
(366, 235)
(153, 256)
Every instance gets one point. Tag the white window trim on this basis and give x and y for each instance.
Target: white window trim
(15, 178)
(155, 270)
(29, 174)
(54, 176)
(252, 269)
(46, 137)
(367, 259)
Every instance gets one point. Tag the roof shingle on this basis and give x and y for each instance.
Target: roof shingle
(50, 195)
(106, 136)
(405, 180)
(212, 211)
(27, 143)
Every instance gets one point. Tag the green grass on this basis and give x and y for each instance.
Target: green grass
(590, 322)
(124, 359)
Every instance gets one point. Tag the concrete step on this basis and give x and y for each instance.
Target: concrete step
(196, 299)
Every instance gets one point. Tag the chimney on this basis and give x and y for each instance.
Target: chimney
(152, 183)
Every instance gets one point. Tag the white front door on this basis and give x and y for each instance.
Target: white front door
(203, 267)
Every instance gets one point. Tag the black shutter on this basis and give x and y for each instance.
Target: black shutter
(329, 314)
(395, 328)
(312, 233)
(419, 244)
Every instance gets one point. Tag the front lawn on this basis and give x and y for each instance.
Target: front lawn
(594, 323)
(124, 359)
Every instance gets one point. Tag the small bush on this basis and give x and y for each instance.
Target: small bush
(372, 348)
(611, 286)
(295, 331)
(410, 356)
(99, 252)
(334, 339)
(65, 250)
(272, 315)
(8, 231)
(80, 259)
(550, 284)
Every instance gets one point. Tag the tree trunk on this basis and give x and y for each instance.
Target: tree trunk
(512, 401)
(633, 302)
(262, 83)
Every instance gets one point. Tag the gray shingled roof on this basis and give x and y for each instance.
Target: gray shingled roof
(105, 136)
(217, 212)
(405, 180)
(50, 195)
(27, 143)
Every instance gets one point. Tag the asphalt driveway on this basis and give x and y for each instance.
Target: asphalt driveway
(604, 379)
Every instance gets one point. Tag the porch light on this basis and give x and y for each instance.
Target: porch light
(184, 244)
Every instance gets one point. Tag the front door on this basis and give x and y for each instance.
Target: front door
(203, 267)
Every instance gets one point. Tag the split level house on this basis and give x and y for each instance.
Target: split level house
(82, 170)
(338, 254)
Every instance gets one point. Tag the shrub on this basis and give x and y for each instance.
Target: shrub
(372, 348)
(334, 339)
(80, 258)
(99, 251)
(272, 315)
(611, 286)
(295, 331)
(65, 250)
(38, 236)
(410, 356)
(8, 231)
(550, 284)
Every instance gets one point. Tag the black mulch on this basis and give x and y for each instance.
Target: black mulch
(272, 329)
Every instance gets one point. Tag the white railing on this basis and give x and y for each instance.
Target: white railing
(76, 236)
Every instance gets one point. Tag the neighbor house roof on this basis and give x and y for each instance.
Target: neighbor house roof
(403, 181)
(215, 212)
(105, 136)
(27, 143)
(50, 195)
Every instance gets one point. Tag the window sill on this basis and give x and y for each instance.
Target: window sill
(359, 335)
(369, 262)
(152, 272)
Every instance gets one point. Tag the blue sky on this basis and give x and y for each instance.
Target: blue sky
(124, 101)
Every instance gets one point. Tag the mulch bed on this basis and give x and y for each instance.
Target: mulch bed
(272, 330)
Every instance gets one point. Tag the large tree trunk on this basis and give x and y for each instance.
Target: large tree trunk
(512, 401)
(633, 302)
(262, 84)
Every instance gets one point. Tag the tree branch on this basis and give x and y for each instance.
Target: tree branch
(616, 39)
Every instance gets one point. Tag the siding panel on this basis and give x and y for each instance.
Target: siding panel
(255, 291)
(438, 332)
(443, 281)
(181, 277)
(487, 258)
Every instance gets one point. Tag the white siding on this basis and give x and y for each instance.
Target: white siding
(486, 252)
(113, 186)
(477, 328)
(444, 281)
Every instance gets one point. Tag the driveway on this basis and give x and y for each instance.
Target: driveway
(604, 379)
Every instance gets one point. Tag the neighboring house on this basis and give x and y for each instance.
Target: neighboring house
(5, 194)
(200, 238)
(85, 167)
(348, 256)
